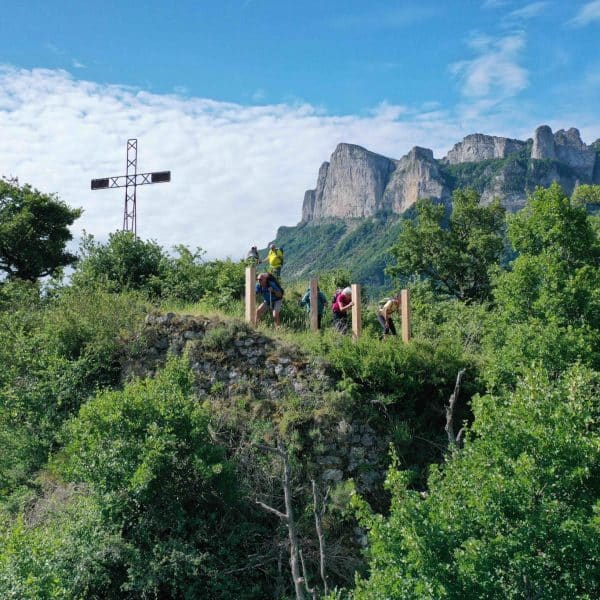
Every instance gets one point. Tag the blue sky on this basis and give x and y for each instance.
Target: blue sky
(243, 99)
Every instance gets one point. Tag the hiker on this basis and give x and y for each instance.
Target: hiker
(384, 314)
(252, 258)
(342, 303)
(321, 302)
(272, 294)
(275, 260)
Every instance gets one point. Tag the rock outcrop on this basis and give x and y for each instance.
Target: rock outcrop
(477, 147)
(417, 175)
(543, 144)
(565, 147)
(350, 185)
(232, 361)
(357, 183)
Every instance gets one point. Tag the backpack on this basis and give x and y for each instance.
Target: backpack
(272, 278)
(383, 302)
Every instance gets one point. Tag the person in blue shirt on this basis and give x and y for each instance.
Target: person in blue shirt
(321, 303)
(272, 294)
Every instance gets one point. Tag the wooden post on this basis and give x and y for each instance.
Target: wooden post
(405, 298)
(251, 294)
(314, 305)
(356, 314)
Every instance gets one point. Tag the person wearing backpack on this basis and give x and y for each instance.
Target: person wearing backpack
(272, 294)
(321, 302)
(386, 308)
(342, 303)
(275, 260)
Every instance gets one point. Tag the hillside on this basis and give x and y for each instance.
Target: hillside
(358, 245)
(154, 445)
(352, 216)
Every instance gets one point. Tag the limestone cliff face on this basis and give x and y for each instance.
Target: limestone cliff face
(417, 175)
(356, 183)
(476, 147)
(351, 184)
(565, 147)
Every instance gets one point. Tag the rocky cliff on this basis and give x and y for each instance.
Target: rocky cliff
(357, 183)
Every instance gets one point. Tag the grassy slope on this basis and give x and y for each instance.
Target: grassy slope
(361, 246)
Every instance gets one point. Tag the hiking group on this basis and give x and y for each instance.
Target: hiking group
(269, 287)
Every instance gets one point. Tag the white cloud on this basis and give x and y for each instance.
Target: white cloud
(238, 172)
(495, 73)
(587, 14)
(529, 10)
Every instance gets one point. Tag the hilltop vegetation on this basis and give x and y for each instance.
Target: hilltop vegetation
(139, 447)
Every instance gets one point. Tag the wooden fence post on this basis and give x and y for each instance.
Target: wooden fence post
(405, 299)
(314, 304)
(356, 313)
(251, 294)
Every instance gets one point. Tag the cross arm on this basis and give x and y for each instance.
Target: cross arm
(127, 180)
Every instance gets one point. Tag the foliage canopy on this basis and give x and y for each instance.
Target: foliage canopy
(34, 230)
(455, 256)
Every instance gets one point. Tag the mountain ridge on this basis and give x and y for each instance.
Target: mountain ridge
(354, 214)
(358, 183)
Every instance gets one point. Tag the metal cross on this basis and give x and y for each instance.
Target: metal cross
(130, 181)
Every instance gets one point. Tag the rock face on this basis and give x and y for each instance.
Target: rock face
(357, 183)
(350, 185)
(565, 147)
(417, 175)
(543, 144)
(476, 147)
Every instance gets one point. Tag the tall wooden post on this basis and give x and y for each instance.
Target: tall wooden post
(356, 312)
(405, 299)
(314, 304)
(251, 294)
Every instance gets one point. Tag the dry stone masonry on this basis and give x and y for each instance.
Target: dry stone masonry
(231, 360)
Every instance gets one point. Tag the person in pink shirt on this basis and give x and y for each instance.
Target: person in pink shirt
(342, 303)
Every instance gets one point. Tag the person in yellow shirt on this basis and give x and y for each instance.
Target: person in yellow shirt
(275, 260)
(384, 315)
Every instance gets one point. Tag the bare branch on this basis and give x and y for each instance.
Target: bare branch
(321, 537)
(271, 509)
(452, 439)
(311, 591)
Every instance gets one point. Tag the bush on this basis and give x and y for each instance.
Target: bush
(147, 452)
(513, 515)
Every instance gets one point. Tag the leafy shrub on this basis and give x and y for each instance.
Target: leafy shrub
(147, 452)
(511, 515)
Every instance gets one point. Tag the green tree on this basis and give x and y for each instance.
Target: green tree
(34, 230)
(549, 300)
(124, 262)
(455, 256)
(586, 194)
(513, 515)
(167, 486)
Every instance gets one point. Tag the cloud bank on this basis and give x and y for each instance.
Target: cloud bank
(238, 172)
